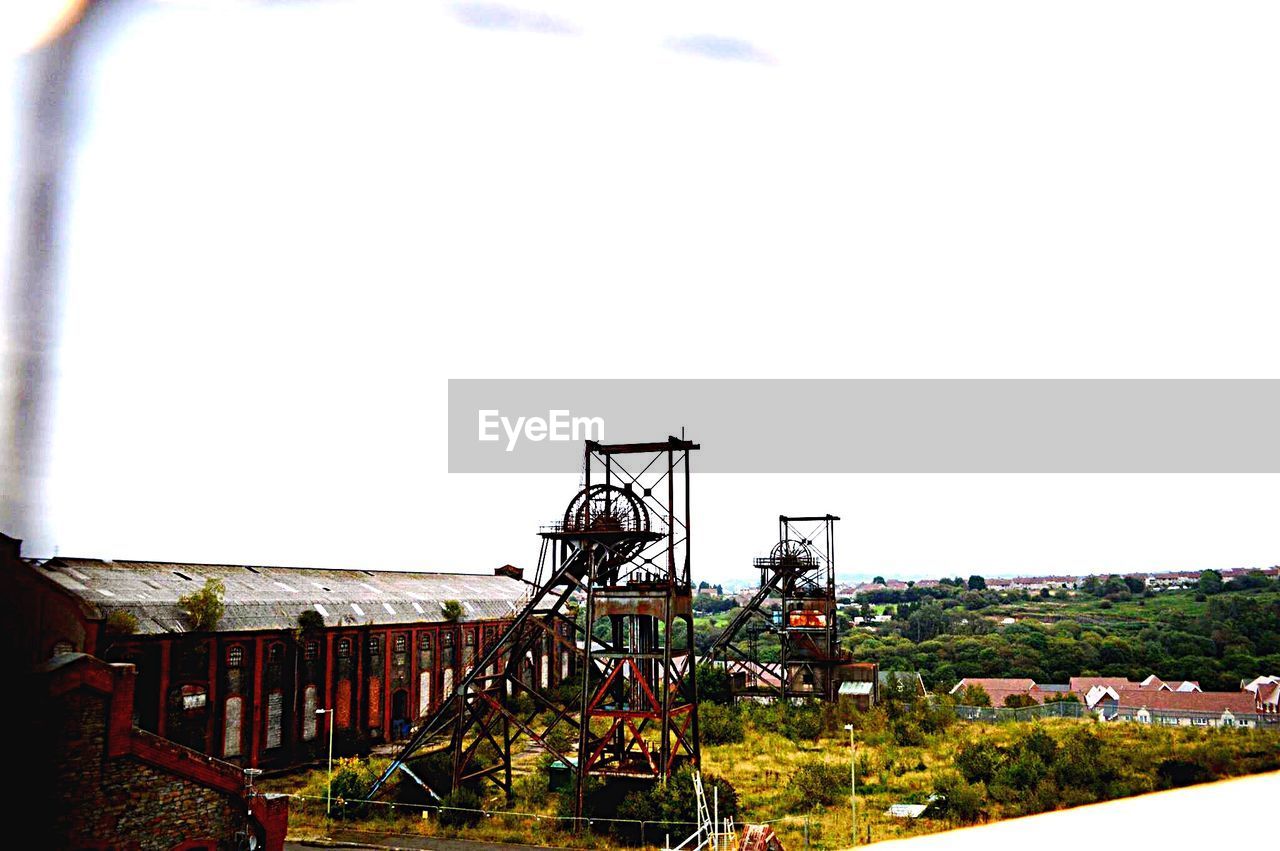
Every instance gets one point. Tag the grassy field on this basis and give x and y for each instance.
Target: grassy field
(764, 768)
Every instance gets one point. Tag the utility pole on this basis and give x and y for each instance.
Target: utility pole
(853, 785)
(328, 795)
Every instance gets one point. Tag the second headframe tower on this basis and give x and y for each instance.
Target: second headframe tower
(799, 577)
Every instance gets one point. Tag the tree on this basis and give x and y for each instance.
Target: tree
(879, 580)
(1115, 587)
(719, 725)
(1210, 582)
(121, 622)
(977, 583)
(1017, 701)
(713, 684)
(451, 610)
(310, 619)
(956, 800)
(204, 608)
(973, 695)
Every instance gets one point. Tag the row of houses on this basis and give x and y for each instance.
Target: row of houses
(1152, 700)
(1160, 580)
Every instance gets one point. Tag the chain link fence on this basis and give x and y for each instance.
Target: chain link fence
(993, 714)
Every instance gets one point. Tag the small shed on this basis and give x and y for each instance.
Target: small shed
(859, 694)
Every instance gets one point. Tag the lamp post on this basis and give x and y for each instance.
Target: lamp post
(853, 784)
(328, 795)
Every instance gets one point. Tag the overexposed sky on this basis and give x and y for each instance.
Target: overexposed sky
(291, 223)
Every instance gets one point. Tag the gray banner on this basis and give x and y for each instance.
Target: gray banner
(875, 426)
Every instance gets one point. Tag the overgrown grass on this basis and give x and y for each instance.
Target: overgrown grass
(774, 777)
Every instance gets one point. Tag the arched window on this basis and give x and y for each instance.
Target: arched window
(311, 651)
(276, 654)
(344, 648)
(402, 643)
(235, 656)
(375, 644)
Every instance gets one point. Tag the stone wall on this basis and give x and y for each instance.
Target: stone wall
(122, 800)
(102, 783)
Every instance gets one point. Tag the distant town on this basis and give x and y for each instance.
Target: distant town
(853, 586)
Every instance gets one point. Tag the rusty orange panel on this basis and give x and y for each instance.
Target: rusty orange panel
(375, 701)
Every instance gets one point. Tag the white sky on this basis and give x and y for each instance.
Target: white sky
(291, 224)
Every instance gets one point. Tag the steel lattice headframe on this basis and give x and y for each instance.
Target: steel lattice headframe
(613, 589)
(799, 575)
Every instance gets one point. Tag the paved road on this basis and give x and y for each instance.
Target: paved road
(352, 839)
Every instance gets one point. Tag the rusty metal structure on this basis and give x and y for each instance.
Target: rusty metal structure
(759, 837)
(613, 584)
(798, 576)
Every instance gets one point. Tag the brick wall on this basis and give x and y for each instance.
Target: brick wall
(123, 800)
(106, 784)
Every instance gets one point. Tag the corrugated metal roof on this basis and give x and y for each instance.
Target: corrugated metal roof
(259, 598)
(855, 688)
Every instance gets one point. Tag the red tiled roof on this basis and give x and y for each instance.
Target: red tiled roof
(999, 689)
(1188, 701)
(1002, 683)
(1081, 685)
(998, 696)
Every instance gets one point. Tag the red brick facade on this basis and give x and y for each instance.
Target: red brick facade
(250, 697)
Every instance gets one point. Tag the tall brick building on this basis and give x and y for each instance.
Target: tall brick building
(377, 647)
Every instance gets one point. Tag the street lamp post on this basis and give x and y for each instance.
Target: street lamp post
(853, 784)
(328, 795)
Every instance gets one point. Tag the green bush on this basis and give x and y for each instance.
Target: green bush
(973, 695)
(907, 732)
(533, 789)
(719, 725)
(816, 784)
(665, 809)
(204, 608)
(460, 808)
(352, 779)
(121, 622)
(713, 684)
(977, 761)
(802, 723)
(451, 610)
(310, 619)
(521, 704)
(956, 800)
(1172, 773)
